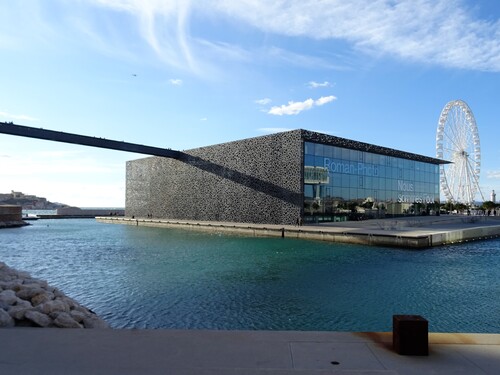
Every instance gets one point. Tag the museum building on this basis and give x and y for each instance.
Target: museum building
(284, 178)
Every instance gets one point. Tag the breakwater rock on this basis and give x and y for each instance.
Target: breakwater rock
(12, 224)
(29, 302)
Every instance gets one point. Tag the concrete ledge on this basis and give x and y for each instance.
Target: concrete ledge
(362, 233)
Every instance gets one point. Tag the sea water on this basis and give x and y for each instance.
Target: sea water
(140, 277)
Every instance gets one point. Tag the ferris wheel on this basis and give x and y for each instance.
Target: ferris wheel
(457, 141)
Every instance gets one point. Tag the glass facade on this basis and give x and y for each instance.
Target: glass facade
(345, 184)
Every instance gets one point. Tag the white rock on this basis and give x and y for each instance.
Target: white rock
(6, 320)
(64, 320)
(53, 306)
(78, 315)
(38, 318)
(42, 298)
(11, 285)
(28, 292)
(70, 302)
(22, 303)
(8, 297)
(18, 312)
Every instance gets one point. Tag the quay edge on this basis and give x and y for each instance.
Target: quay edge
(415, 233)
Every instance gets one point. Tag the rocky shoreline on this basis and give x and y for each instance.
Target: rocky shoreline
(12, 224)
(30, 302)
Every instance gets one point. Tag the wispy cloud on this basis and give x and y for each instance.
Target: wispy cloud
(493, 174)
(264, 101)
(17, 117)
(447, 33)
(315, 85)
(294, 108)
(443, 32)
(175, 81)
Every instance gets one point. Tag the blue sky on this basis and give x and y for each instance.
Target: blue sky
(185, 74)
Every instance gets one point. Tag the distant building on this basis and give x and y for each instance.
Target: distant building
(284, 178)
(28, 202)
(493, 196)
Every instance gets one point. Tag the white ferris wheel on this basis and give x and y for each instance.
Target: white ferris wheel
(457, 141)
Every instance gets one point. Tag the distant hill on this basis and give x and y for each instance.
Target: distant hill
(29, 202)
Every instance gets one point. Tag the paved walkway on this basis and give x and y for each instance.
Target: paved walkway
(70, 351)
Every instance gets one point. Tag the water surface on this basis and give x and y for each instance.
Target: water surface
(139, 277)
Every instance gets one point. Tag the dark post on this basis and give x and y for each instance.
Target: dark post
(410, 335)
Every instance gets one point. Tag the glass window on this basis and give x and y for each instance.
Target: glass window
(309, 148)
(345, 154)
(337, 152)
(345, 181)
(353, 181)
(308, 191)
(354, 155)
(318, 149)
(309, 160)
(328, 152)
(408, 174)
(336, 179)
(345, 193)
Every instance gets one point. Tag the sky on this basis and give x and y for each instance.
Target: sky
(183, 74)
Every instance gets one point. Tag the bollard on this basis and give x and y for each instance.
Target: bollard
(410, 335)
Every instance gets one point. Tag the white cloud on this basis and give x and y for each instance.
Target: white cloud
(294, 108)
(17, 117)
(263, 101)
(324, 100)
(203, 119)
(442, 32)
(315, 85)
(175, 81)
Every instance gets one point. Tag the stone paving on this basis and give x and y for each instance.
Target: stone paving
(54, 351)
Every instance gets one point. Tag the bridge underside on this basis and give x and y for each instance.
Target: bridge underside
(51, 135)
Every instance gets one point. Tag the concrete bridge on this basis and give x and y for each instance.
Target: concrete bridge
(51, 135)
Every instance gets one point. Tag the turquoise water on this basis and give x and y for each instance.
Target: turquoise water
(138, 277)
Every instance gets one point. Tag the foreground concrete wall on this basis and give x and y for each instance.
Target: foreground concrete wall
(257, 180)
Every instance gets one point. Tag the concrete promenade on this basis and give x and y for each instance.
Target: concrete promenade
(72, 351)
(406, 232)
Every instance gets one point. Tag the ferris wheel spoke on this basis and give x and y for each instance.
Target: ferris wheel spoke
(452, 140)
(457, 141)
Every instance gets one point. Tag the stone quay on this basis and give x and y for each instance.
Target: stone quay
(30, 302)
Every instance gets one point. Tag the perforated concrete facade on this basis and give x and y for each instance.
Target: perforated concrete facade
(257, 180)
